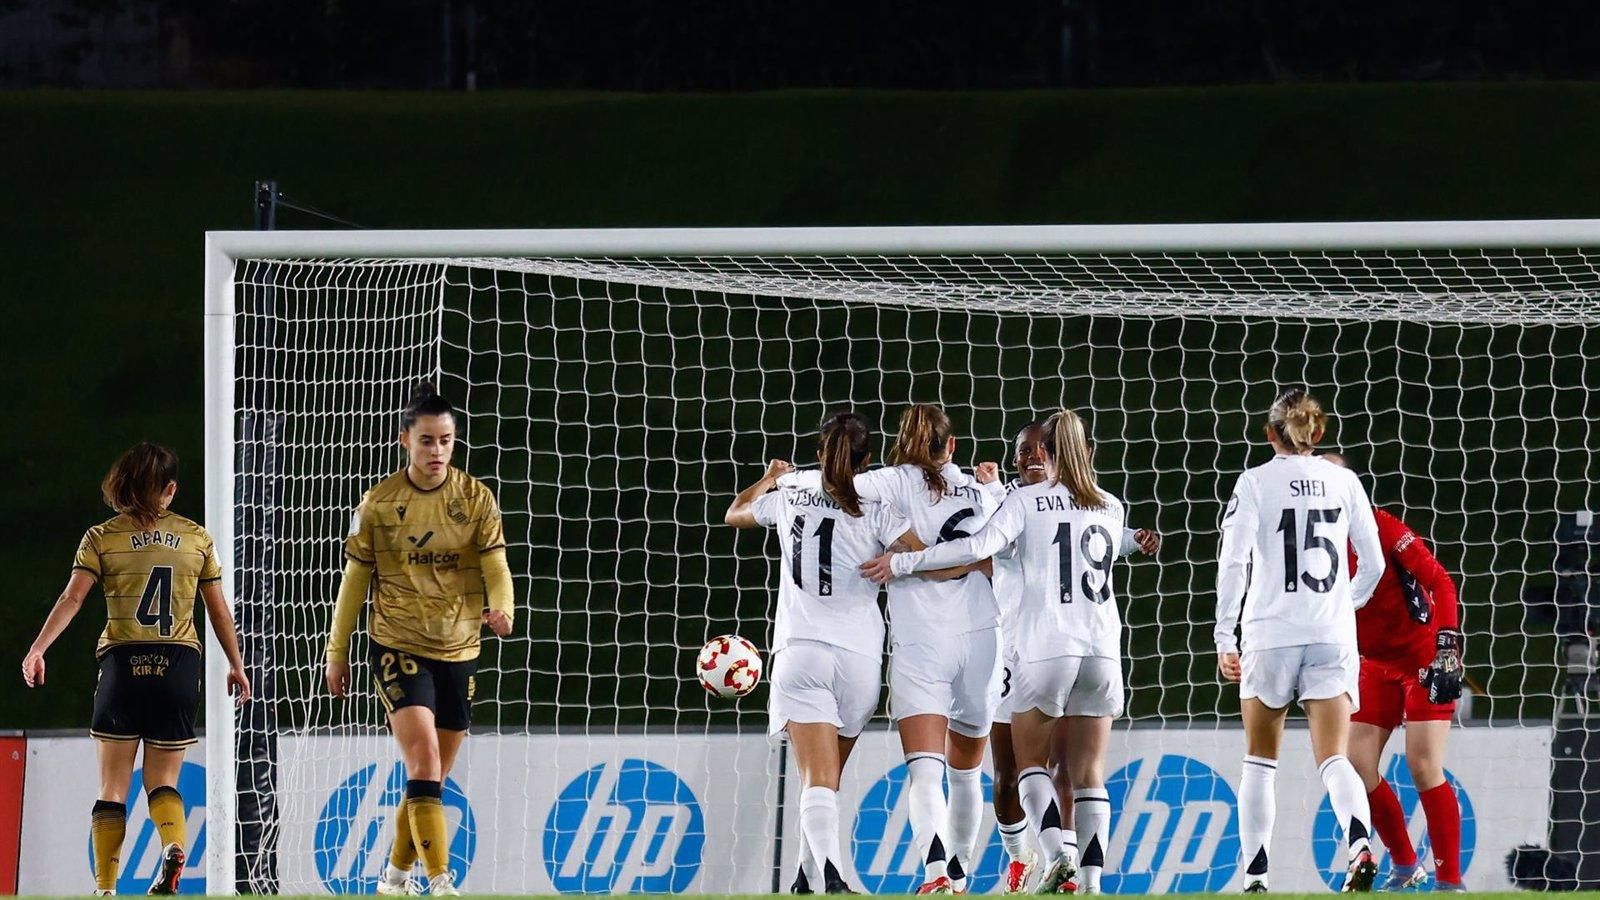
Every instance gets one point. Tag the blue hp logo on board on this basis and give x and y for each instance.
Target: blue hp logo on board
(1174, 828)
(624, 827)
(1327, 838)
(356, 829)
(886, 857)
(142, 857)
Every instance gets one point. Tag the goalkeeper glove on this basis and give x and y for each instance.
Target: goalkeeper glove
(1443, 677)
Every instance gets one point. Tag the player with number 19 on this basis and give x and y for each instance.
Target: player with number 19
(1067, 533)
(1293, 635)
(151, 564)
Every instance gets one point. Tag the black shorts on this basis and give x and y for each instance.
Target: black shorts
(405, 679)
(148, 692)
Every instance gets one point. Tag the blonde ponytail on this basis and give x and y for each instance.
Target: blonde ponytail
(924, 434)
(1298, 420)
(1068, 444)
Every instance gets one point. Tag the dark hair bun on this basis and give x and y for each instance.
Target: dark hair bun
(425, 401)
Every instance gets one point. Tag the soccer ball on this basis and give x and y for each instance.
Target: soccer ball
(729, 666)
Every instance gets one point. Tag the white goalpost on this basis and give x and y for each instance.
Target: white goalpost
(617, 387)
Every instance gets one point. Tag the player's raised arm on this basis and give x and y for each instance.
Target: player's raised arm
(741, 512)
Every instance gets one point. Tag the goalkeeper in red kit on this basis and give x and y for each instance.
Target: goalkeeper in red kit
(1409, 638)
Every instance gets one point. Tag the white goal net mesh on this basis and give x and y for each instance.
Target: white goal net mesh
(616, 405)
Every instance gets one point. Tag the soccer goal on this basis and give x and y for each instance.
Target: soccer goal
(618, 387)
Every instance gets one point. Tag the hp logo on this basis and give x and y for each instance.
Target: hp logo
(1327, 838)
(1174, 828)
(141, 858)
(886, 857)
(356, 829)
(624, 827)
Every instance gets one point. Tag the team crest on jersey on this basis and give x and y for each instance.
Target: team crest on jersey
(457, 510)
(402, 511)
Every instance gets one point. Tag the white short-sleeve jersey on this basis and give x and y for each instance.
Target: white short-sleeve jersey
(822, 595)
(922, 610)
(1285, 532)
(1068, 605)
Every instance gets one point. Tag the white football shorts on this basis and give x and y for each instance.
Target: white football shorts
(1070, 686)
(1308, 672)
(817, 682)
(956, 676)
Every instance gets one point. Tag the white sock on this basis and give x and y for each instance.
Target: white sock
(394, 874)
(1258, 808)
(819, 821)
(1039, 802)
(1069, 845)
(966, 814)
(1349, 797)
(1091, 813)
(1015, 838)
(808, 864)
(928, 812)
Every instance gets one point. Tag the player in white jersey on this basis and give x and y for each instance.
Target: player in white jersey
(1284, 533)
(827, 644)
(1032, 464)
(944, 665)
(1067, 532)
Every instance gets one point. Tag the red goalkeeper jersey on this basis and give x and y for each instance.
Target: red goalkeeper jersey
(1385, 630)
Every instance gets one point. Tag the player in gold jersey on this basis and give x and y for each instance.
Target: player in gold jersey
(150, 563)
(432, 535)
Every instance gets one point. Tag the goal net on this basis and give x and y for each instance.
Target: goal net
(616, 396)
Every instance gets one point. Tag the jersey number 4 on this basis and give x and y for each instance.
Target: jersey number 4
(1101, 564)
(824, 536)
(1292, 576)
(155, 606)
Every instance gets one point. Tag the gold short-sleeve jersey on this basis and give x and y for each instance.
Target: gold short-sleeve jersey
(425, 548)
(150, 577)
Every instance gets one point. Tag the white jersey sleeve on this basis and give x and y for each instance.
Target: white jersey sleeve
(1001, 529)
(1370, 561)
(767, 508)
(1233, 563)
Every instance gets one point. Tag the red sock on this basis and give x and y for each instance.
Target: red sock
(1444, 831)
(1390, 822)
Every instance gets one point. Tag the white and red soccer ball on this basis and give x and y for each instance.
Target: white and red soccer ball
(729, 666)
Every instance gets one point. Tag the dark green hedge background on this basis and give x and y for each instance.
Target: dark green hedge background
(106, 197)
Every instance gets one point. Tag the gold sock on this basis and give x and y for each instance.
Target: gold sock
(423, 799)
(107, 825)
(403, 855)
(166, 811)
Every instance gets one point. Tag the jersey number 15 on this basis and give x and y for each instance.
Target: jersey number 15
(1293, 577)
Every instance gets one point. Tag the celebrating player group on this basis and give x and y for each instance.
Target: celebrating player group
(1004, 631)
